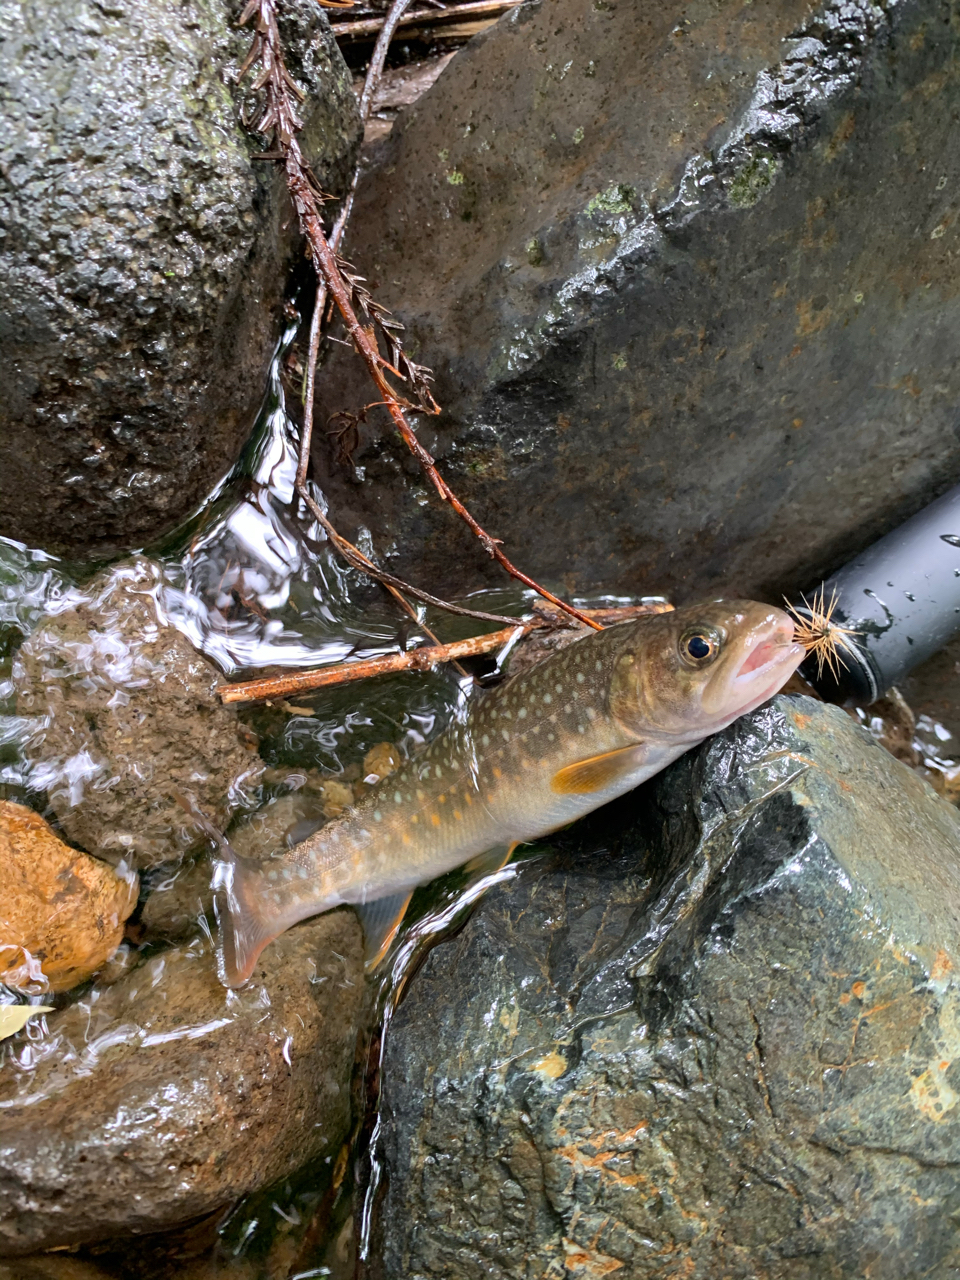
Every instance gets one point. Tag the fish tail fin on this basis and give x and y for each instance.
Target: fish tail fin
(244, 928)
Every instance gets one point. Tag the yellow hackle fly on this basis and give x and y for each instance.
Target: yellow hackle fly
(819, 634)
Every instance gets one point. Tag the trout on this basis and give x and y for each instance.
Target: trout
(530, 756)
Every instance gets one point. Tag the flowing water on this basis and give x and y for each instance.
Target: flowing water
(251, 581)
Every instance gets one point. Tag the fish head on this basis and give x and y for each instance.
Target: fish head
(689, 673)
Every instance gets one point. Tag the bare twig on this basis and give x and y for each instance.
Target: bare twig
(357, 560)
(424, 17)
(422, 659)
(281, 121)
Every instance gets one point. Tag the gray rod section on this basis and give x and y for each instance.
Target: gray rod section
(902, 596)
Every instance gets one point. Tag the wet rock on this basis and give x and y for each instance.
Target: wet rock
(713, 1032)
(179, 897)
(144, 258)
(61, 911)
(165, 1097)
(121, 714)
(657, 260)
(53, 1267)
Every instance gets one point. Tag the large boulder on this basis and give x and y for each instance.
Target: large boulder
(688, 276)
(144, 253)
(164, 1097)
(712, 1033)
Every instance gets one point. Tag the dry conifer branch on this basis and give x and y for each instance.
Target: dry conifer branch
(374, 71)
(280, 121)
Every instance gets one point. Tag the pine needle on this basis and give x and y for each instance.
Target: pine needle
(819, 635)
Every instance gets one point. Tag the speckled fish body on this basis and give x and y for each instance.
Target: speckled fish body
(588, 724)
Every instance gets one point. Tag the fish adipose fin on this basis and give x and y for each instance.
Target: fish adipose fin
(598, 772)
(380, 921)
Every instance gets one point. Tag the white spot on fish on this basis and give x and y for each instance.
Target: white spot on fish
(302, 872)
(485, 740)
(506, 734)
(599, 665)
(377, 815)
(580, 677)
(522, 713)
(548, 697)
(397, 798)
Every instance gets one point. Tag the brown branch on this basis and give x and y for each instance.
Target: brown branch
(280, 120)
(367, 26)
(422, 659)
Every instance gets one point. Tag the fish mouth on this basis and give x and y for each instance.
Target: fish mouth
(770, 662)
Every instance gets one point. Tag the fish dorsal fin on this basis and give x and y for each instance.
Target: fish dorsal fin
(380, 921)
(598, 772)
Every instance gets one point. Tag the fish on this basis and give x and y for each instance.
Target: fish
(527, 758)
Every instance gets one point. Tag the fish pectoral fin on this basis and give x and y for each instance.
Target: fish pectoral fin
(598, 772)
(491, 861)
(380, 921)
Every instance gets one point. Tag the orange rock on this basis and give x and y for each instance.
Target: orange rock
(61, 911)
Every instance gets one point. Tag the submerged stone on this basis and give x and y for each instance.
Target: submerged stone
(144, 255)
(165, 1097)
(712, 1031)
(120, 715)
(61, 911)
(688, 276)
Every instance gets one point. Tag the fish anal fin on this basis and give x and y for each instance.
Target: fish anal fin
(598, 772)
(381, 920)
(492, 860)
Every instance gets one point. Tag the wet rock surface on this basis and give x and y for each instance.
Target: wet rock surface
(61, 911)
(126, 717)
(144, 256)
(165, 1097)
(712, 1032)
(688, 277)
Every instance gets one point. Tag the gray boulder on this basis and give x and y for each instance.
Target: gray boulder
(688, 277)
(164, 1097)
(713, 1032)
(143, 255)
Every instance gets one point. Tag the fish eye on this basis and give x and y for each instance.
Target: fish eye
(699, 646)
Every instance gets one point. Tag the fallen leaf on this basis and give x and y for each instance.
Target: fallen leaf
(14, 1017)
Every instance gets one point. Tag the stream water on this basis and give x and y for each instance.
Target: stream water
(251, 581)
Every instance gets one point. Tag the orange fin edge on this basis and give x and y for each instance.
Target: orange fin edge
(597, 772)
(380, 920)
